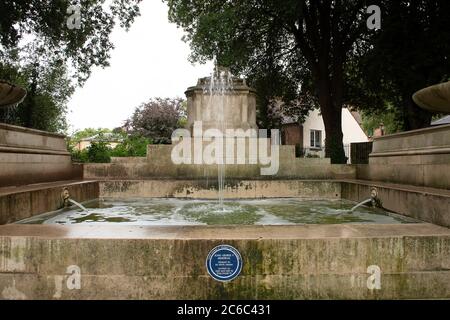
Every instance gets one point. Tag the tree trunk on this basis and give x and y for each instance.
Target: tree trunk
(320, 40)
(415, 117)
(330, 101)
(334, 147)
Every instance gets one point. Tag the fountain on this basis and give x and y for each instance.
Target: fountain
(79, 205)
(221, 90)
(28, 155)
(10, 95)
(361, 204)
(435, 98)
(418, 157)
(221, 102)
(153, 221)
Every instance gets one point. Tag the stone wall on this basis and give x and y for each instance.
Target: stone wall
(237, 189)
(288, 262)
(159, 165)
(419, 158)
(31, 156)
(25, 202)
(425, 204)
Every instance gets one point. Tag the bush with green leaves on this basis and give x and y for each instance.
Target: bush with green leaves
(99, 152)
(157, 119)
(131, 146)
(79, 156)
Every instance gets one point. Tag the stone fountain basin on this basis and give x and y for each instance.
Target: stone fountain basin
(168, 262)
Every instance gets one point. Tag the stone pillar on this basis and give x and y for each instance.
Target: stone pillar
(239, 109)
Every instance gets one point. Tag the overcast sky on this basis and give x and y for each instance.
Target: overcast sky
(150, 60)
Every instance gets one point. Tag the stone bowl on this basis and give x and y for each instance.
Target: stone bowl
(10, 95)
(435, 98)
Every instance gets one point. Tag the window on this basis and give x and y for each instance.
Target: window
(316, 139)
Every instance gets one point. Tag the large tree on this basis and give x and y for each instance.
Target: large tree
(410, 52)
(45, 22)
(157, 119)
(41, 51)
(48, 90)
(312, 38)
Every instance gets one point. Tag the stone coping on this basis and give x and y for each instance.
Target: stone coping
(414, 132)
(29, 130)
(396, 186)
(412, 152)
(39, 186)
(224, 232)
(19, 149)
(380, 184)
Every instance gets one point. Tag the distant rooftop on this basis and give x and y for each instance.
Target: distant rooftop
(108, 136)
(441, 121)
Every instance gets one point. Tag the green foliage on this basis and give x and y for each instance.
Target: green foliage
(410, 52)
(46, 21)
(99, 152)
(76, 137)
(157, 119)
(326, 47)
(282, 46)
(372, 121)
(37, 50)
(79, 156)
(48, 90)
(131, 146)
(182, 114)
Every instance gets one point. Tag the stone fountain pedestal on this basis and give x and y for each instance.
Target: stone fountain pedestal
(419, 157)
(234, 108)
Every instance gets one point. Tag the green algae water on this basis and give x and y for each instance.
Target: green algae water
(210, 212)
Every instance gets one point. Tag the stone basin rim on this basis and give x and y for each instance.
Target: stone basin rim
(224, 233)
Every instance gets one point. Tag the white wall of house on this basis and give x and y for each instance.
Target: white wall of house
(350, 128)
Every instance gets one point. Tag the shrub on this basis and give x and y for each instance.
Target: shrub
(131, 146)
(99, 152)
(79, 156)
(157, 119)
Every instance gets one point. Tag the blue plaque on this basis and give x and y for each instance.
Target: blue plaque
(224, 263)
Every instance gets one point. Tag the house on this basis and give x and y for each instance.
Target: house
(111, 139)
(310, 135)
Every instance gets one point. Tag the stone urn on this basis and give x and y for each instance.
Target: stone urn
(435, 98)
(10, 95)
